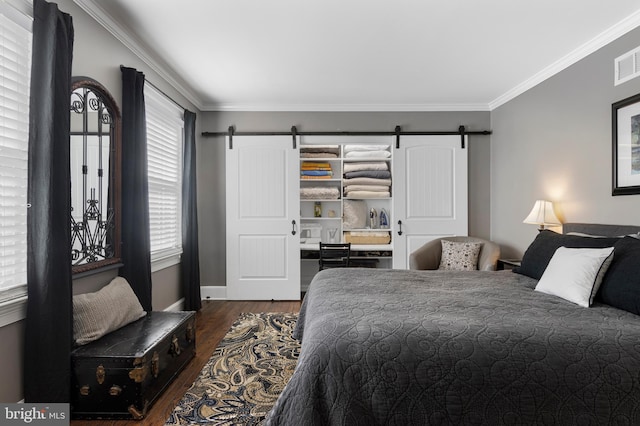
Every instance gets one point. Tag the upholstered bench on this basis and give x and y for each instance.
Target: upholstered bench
(118, 371)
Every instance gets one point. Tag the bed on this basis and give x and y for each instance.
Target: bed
(401, 347)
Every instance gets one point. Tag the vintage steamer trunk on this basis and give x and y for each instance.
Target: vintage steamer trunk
(122, 374)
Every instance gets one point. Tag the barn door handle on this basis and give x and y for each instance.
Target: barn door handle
(400, 227)
(293, 227)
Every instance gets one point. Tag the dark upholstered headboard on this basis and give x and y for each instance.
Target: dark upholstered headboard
(598, 229)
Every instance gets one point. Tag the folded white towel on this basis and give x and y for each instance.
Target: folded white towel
(375, 188)
(368, 154)
(368, 194)
(350, 148)
(356, 167)
(366, 181)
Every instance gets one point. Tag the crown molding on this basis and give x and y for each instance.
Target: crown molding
(345, 107)
(601, 40)
(93, 9)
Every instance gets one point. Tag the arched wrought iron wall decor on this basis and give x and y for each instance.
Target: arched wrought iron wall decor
(95, 148)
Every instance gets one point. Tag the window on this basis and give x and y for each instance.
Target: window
(165, 126)
(15, 72)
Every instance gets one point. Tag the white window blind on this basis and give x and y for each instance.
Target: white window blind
(165, 124)
(15, 72)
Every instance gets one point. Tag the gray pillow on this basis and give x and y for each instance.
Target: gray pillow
(541, 250)
(96, 314)
(621, 285)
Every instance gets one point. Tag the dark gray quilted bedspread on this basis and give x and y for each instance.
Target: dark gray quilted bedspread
(395, 347)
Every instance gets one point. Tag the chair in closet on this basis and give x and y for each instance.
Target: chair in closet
(334, 255)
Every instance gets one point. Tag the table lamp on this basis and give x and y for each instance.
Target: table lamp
(542, 215)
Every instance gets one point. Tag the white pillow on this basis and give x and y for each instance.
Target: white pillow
(575, 274)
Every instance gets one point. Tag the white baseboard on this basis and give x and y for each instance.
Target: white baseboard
(218, 292)
(178, 306)
(211, 292)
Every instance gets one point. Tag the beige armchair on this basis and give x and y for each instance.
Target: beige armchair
(428, 256)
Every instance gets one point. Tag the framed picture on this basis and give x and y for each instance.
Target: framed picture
(626, 146)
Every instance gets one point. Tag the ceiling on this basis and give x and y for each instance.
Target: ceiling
(361, 55)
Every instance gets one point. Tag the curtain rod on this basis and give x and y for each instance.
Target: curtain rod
(397, 132)
(146, 80)
(165, 95)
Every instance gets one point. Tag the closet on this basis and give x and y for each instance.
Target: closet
(351, 204)
(284, 196)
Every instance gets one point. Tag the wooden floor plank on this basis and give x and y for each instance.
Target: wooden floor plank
(212, 323)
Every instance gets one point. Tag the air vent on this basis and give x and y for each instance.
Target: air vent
(627, 66)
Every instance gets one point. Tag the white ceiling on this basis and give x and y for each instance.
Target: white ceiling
(367, 55)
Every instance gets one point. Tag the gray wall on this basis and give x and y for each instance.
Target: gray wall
(211, 195)
(554, 142)
(99, 55)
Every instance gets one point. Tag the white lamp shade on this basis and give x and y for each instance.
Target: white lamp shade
(542, 214)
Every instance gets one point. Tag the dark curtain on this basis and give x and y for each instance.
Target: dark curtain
(190, 263)
(136, 244)
(49, 325)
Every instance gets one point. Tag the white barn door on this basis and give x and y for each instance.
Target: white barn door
(263, 210)
(429, 192)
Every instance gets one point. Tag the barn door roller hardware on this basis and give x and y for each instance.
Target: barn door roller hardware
(397, 132)
(230, 133)
(294, 132)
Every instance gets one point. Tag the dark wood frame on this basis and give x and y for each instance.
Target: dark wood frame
(115, 173)
(615, 109)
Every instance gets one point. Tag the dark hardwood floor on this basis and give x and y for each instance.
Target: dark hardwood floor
(212, 323)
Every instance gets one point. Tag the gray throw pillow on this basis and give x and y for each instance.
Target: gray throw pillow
(96, 314)
(541, 250)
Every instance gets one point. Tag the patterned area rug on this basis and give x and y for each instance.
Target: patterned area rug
(244, 376)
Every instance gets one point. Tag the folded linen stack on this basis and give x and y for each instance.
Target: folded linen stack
(367, 151)
(315, 170)
(319, 151)
(367, 180)
(319, 193)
